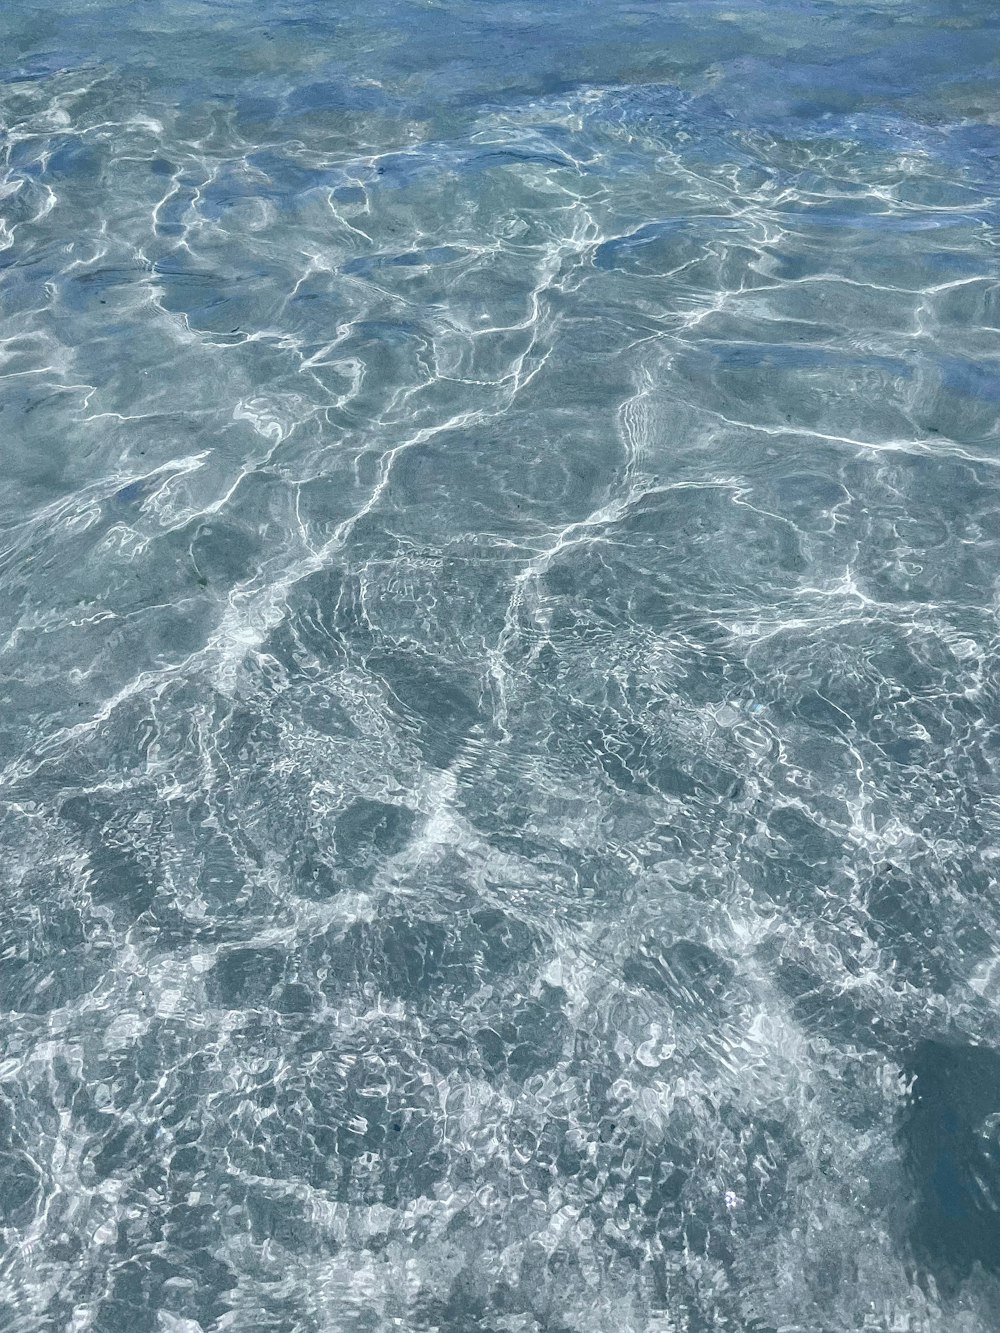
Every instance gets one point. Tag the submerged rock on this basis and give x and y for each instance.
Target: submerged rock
(951, 1141)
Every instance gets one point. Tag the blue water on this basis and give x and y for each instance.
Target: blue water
(499, 730)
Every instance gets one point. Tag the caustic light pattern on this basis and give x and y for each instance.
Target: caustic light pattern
(499, 735)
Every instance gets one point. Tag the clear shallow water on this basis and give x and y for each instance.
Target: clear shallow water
(499, 732)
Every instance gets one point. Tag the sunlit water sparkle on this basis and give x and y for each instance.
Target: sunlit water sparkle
(499, 689)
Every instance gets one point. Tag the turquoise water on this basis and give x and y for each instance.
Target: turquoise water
(499, 725)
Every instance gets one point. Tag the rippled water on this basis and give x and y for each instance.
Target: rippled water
(499, 738)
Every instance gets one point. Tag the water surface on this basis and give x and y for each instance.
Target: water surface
(499, 719)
